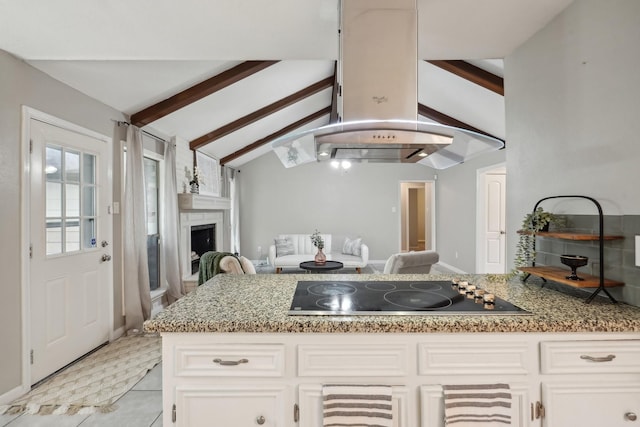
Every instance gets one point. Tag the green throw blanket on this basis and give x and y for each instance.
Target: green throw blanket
(210, 265)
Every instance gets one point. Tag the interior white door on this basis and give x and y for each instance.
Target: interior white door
(70, 232)
(494, 223)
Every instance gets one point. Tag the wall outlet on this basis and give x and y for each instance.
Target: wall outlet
(637, 251)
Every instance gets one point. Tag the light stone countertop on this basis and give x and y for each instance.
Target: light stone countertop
(259, 303)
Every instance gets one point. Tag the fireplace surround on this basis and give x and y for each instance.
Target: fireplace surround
(201, 212)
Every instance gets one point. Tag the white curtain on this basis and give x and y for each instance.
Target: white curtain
(234, 194)
(137, 297)
(171, 227)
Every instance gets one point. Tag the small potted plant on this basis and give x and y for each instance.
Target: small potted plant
(532, 223)
(318, 242)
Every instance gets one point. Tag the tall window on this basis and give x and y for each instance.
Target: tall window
(152, 194)
(152, 172)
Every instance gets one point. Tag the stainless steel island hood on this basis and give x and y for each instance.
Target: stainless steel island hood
(377, 100)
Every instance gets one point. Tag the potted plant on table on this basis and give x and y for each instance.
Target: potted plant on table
(318, 242)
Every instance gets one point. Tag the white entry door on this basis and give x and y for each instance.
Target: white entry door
(493, 230)
(70, 233)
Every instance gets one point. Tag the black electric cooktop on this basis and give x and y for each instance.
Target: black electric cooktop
(394, 298)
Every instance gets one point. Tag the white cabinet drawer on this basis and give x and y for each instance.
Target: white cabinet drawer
(615, 356)
(230, 360)
(482, 358)
(352, 360)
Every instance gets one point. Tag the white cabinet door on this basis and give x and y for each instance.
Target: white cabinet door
(432, 405)
(310, 404)
(595, 404)
(227, 406)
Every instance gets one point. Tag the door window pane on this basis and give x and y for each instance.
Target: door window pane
(88, 201)
(54, 199)
(72, 166)
(72, 235)
(72, 200)
(89, 238)
(53, 163)
(54, 236)
(88, 168)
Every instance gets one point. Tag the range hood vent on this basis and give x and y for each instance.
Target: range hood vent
(378, 101)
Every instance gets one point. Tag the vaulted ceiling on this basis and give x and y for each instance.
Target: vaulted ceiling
(229, 76)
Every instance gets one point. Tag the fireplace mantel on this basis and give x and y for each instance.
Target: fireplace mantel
(190, 201)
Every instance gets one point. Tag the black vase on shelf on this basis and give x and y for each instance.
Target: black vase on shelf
(574, 261)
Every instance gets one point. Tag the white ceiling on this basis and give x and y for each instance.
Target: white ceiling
(133, 54)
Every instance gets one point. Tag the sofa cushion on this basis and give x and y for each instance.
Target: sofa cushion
(349, 261)
(352, 246)
(284, 246)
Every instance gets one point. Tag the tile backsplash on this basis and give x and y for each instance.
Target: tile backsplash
(619, 255)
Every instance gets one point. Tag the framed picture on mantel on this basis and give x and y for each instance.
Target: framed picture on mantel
(208, 175)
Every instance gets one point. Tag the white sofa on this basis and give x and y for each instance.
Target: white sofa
(303, 250)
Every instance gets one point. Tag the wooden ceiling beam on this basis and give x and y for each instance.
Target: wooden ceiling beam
(198, 91)
(474, 74)
(443, 119)
(277, 134)
(261, 113)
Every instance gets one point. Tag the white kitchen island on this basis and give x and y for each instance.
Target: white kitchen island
(232, 356)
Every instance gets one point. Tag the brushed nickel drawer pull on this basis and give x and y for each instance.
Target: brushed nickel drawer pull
(608, 358)
(630, 416)
(230, 362)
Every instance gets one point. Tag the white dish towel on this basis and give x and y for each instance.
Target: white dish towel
(357, 405)
(486, 405)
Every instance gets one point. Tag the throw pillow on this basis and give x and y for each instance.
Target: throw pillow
(284, 247)
(352, 246)
(247, 265)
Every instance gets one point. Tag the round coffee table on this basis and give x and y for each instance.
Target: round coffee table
(311, 266)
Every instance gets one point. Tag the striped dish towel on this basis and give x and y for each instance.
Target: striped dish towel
(488, 405)
(357, 405)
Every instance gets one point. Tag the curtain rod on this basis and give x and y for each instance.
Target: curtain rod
(123, 123)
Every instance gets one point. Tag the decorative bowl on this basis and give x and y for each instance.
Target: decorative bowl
(574, 261)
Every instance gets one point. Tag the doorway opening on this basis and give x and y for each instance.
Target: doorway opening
(417, 228)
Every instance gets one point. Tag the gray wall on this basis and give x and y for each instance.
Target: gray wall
(456, 210)
(572, 109)
(276, 200)
(23, 85)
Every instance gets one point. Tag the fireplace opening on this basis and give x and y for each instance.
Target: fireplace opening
(203, 239)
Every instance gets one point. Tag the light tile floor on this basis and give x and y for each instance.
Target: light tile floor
(139, 407)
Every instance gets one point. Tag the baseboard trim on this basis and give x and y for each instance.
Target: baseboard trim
(13, 394)
(450, 267)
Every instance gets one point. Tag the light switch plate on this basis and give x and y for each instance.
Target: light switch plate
(637, 251)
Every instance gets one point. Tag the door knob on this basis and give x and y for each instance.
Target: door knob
(106, 257)
(260, 420)
(502, 232)
(104, 244)
(630, 416)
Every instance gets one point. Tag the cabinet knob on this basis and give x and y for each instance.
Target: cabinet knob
(630, 416)
(260, 420)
